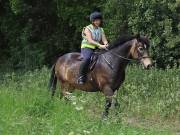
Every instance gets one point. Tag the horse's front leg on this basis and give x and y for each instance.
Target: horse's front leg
(108, 92)
(115, 103)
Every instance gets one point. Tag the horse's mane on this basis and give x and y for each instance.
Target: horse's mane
(125, 38)
(120, 41)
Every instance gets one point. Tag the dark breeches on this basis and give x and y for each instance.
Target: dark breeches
(86, 54)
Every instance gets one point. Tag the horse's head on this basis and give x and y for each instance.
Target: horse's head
(139, 50)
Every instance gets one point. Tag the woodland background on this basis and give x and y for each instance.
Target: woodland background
(34, 33)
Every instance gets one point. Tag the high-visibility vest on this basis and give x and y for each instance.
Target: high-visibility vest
(96, 36)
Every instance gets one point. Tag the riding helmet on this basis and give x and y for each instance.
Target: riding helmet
(95, 15)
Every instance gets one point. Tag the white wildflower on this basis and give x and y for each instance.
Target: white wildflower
(74, 103)
(86, 131)
(71, 133)
(79, 108)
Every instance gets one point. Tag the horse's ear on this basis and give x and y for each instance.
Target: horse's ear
(138, 36)
(146, 36)
(147, 39)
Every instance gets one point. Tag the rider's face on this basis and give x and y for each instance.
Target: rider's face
(97, 22)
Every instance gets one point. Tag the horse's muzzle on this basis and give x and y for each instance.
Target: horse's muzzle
(147, 63)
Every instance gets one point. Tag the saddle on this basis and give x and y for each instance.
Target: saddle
(93, 60)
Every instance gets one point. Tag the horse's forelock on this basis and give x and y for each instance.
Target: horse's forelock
(145, 40)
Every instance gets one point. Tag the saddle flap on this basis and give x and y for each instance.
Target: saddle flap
(94, 59)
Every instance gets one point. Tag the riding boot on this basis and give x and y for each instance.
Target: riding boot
(83, 71)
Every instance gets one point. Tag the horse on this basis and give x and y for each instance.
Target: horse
(108, 73)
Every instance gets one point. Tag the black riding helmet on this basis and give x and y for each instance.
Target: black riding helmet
(95, 15)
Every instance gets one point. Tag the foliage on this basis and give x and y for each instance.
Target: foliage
(151, 97)
(34, 33)
(156, 18)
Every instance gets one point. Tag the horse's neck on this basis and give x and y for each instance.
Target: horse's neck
(122, 50)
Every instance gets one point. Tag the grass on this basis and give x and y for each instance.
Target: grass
(149, 105)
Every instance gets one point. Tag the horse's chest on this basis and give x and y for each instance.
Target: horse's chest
(117, 80)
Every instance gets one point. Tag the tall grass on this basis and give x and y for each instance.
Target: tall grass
(147, 100)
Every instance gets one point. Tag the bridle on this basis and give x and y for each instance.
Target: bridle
(140, 57)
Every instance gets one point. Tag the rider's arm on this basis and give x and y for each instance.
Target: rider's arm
(104, 39)
(89, 37)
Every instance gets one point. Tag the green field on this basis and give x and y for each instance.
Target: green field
(149, 105)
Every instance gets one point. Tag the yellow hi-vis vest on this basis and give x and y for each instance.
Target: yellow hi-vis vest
(96, 36)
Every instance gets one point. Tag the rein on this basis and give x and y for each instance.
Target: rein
(138, 59)
(119, 56)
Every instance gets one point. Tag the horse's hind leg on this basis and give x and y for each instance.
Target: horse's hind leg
(65, 91)
(61, 89)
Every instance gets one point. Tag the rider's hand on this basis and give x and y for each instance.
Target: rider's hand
(107, 45)
(103, 46)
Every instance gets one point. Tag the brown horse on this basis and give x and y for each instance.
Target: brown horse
(109, 71)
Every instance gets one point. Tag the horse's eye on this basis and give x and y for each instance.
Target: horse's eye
(141, 49)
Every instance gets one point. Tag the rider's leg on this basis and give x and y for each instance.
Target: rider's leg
(84, 69)
(86, 54)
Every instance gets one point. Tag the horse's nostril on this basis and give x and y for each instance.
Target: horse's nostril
(148, 66)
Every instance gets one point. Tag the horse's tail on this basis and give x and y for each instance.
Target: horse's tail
(52, 80)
